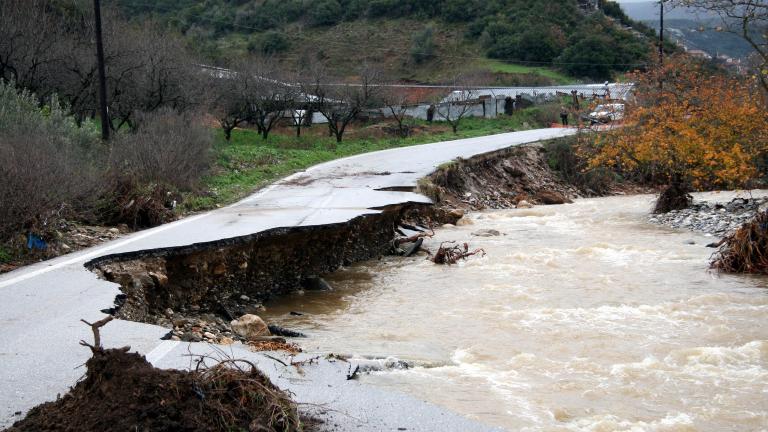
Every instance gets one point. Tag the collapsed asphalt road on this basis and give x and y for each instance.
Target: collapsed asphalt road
(42, 304)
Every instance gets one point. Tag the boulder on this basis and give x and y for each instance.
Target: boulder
(159, 279)
(523, 204)
(552, 197)
(250, 327)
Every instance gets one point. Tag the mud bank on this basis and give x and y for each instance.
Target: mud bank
(499, 180)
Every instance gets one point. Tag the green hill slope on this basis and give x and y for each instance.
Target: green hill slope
(412, 40)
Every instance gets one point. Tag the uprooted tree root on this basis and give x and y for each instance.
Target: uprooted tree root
(450, 253)
(674, 197)
(121, 391)
(746, 250)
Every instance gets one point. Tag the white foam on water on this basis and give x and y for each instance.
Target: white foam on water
(673, 422)
(581, 317)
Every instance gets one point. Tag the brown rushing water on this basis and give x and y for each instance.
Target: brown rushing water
(581, 317)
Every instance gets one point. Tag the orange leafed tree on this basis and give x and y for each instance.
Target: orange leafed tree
(691, 128)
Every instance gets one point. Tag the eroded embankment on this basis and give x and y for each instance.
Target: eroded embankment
(498, 180)
(204, 286)
(198, 289)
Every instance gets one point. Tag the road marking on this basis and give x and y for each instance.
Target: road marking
(99, 251)
(161, 351)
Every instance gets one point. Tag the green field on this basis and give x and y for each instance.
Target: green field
(248, 162)
(502, 67)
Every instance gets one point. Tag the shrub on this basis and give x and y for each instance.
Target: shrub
(325, 12)
(48, 165)
(563, 157)
(423, 46)
(274, 42)
(168, 153)
(167, 147)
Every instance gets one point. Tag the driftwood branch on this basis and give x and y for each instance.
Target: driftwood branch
(96, 336)
(452, 254)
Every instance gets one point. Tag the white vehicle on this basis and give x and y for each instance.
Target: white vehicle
(607, 113)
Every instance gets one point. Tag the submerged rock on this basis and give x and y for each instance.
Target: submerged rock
(552, 197)
(486, 233)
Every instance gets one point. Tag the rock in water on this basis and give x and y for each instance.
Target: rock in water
(486, 233)
(250, 327)
(552, 197)
(523, 204)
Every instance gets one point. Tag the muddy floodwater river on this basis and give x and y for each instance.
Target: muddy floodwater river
(580, 317)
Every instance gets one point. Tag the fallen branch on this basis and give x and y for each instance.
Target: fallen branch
(96, 336)
(452, 254)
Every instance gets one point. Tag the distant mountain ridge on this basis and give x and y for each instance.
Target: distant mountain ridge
(691, 28)
(649, 11)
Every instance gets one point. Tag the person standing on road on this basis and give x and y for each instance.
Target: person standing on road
(564, 116)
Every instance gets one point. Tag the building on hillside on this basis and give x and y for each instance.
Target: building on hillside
(699, 54)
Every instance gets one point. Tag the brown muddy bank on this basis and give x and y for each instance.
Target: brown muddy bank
(502, 179)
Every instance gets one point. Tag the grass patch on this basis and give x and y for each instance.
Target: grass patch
(503, 67)
(5, 256)
(248, 162)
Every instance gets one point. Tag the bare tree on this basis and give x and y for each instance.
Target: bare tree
(31, 48)
(147, 70)
(342, 103)
(459, 103)
(269, 95)
(228, 99)
(746, 18)
(47, 47)
(301, 102)
(395, 99)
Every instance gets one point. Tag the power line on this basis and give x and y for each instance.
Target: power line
(387, 50)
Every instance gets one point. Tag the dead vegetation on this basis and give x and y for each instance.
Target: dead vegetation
(746, 250)
(450, 253)
(274, 345)
(121, 391)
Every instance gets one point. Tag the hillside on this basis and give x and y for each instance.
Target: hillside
(412, 40)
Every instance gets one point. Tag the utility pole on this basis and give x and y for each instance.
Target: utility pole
(661, 44)
(661, 33)
(102, 72)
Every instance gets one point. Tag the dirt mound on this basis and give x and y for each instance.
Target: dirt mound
(746, 250)
(121, 391)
